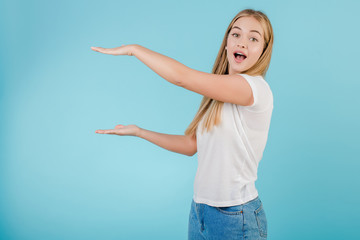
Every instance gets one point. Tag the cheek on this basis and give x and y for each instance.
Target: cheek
(229, 49)
(257, 51)
(230, 42)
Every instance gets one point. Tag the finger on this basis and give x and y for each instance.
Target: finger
(110, 131)
(99, 49)
(119, 126)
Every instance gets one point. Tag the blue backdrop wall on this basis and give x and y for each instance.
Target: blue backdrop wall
(61, 180)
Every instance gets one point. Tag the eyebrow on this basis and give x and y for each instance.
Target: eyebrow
(250, 30)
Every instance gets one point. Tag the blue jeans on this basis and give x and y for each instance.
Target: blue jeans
(245, 221)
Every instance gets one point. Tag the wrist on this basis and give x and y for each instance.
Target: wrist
(133, 49)
(139, 132)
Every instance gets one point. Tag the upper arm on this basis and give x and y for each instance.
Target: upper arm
(225, 88)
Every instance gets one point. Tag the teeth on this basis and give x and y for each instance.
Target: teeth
(239, 54)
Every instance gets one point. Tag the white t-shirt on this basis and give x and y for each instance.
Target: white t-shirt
(228, 155)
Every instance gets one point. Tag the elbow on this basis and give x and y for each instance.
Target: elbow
(176, 76)
(179, 80)
(192, 153)
(183, 76)
(191, 146)
(178, 83)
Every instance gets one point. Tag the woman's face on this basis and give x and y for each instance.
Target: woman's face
(246, 37)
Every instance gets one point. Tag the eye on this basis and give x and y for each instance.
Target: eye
(253, 39)
(235, 34)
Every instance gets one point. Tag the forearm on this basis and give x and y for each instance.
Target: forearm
(166, 67)
(175, 143)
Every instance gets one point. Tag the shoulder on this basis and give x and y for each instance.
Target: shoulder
(263, 97)
(258, 80)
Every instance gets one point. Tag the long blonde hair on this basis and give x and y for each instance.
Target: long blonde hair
(209, 108)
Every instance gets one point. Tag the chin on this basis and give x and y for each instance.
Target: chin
(239, 70)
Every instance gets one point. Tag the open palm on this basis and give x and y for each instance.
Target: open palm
(123, 50)
(121, 130)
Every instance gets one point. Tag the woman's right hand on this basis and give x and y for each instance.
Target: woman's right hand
(122, 130)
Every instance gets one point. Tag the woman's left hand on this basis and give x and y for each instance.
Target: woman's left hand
(123, 50)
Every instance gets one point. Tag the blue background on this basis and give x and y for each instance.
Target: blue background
(61, 180)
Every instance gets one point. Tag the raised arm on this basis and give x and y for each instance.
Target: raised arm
(225, 88)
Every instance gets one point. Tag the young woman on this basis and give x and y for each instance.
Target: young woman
(229, 131)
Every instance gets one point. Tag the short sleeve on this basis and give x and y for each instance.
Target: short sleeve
(263, 98)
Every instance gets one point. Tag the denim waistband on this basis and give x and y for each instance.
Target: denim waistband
(256, 202)
(253, 203)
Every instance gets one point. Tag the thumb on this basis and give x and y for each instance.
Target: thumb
(119, 126)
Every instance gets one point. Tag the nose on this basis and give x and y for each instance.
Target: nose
(241, 45)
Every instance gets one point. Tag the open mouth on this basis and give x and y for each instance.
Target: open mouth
(239, 57)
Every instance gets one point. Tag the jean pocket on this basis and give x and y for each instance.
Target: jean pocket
(261, 221)
(233, 210)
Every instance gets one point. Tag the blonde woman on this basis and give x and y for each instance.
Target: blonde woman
(229, 131)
